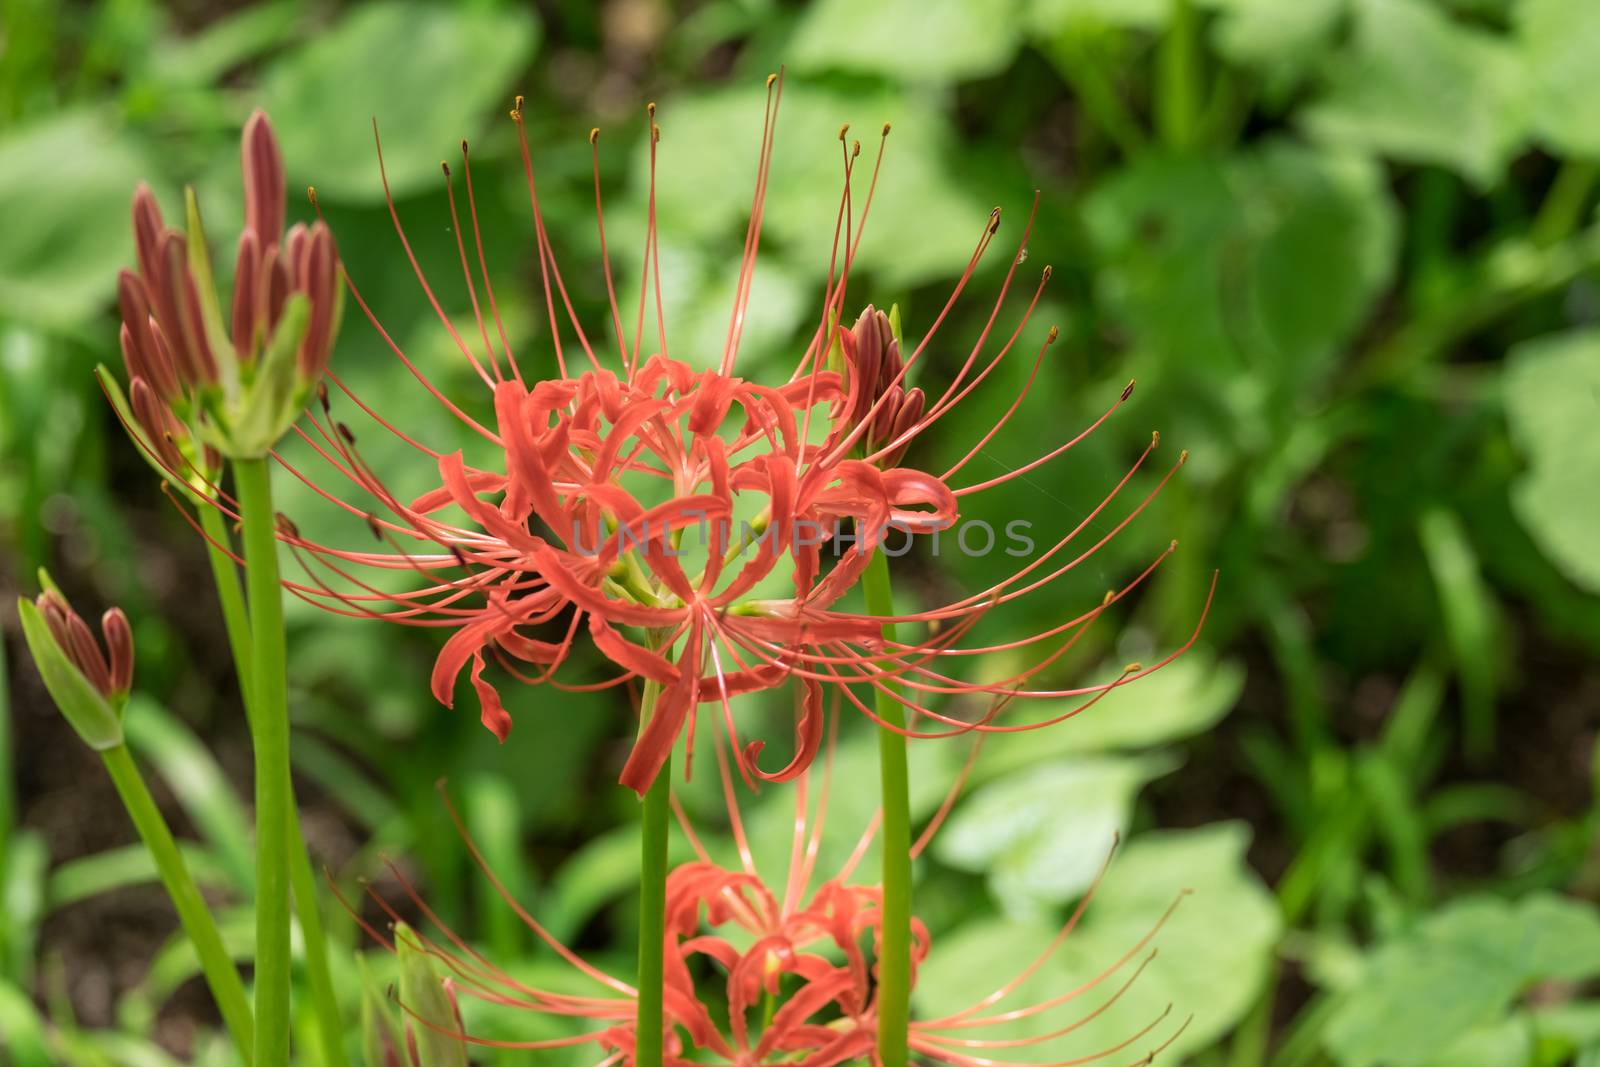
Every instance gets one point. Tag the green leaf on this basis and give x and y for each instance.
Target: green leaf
(66, 182)
(1468, 608)
(1184, 698)
(1417, 86)
(424, 999)
(1507, 1043)
(1552, 397)
(118, 868)
(1561, 47)
(23, 1029)
(430, 74)
(1267, 260)
(1258, 266)
(911, 40)
(1047, 17)
(1283, 40)
(1214, 953)
(489, 805)
(22, 902)
(1040, 835)
(1472, 959)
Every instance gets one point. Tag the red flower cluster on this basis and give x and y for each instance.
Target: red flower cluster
(798, 966)
(600, 476)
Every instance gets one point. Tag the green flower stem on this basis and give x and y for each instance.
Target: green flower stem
(652, 902)
(1178, 89)
(215, 963)
(302, 879)
(270, 726)
(894, 955)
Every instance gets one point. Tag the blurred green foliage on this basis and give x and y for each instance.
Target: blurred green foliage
(1348, 249)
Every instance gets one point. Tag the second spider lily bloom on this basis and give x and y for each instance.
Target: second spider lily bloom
(702, 529)
(786, 966)
(88, 683)
(202, 383)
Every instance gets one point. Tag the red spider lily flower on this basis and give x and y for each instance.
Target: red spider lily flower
(683, 515)
(796, 965)
(199, 385)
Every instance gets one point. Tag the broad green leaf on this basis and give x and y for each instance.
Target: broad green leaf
(912, 40)
(1041, 834)
(1473, 957)
(1416, 85)
(1267, 260)
(1184, 698)
(1552, 397)
(1507, 1043)
(1283, 40)
(205, 57)
(1560, 42)
(66, 182)
(1048, 17)
(430, 74)
(1214, 952)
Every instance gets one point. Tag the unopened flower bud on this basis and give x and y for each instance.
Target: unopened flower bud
(877, 394)
(235, 376)
(88, 682)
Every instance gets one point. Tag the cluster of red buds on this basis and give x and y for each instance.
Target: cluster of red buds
(870, 358)
(88, 682)
(200, 386)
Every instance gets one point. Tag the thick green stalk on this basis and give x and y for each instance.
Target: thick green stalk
(894, 957)
(215, 963)
(270, 726)
(302, 879)
(652, 903)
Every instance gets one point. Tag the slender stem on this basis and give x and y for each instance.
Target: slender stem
(650, 1021)
(230, 594)
(215, 963)
(270, 726)
(1178, 79)
(894, 953)
(302, 878)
